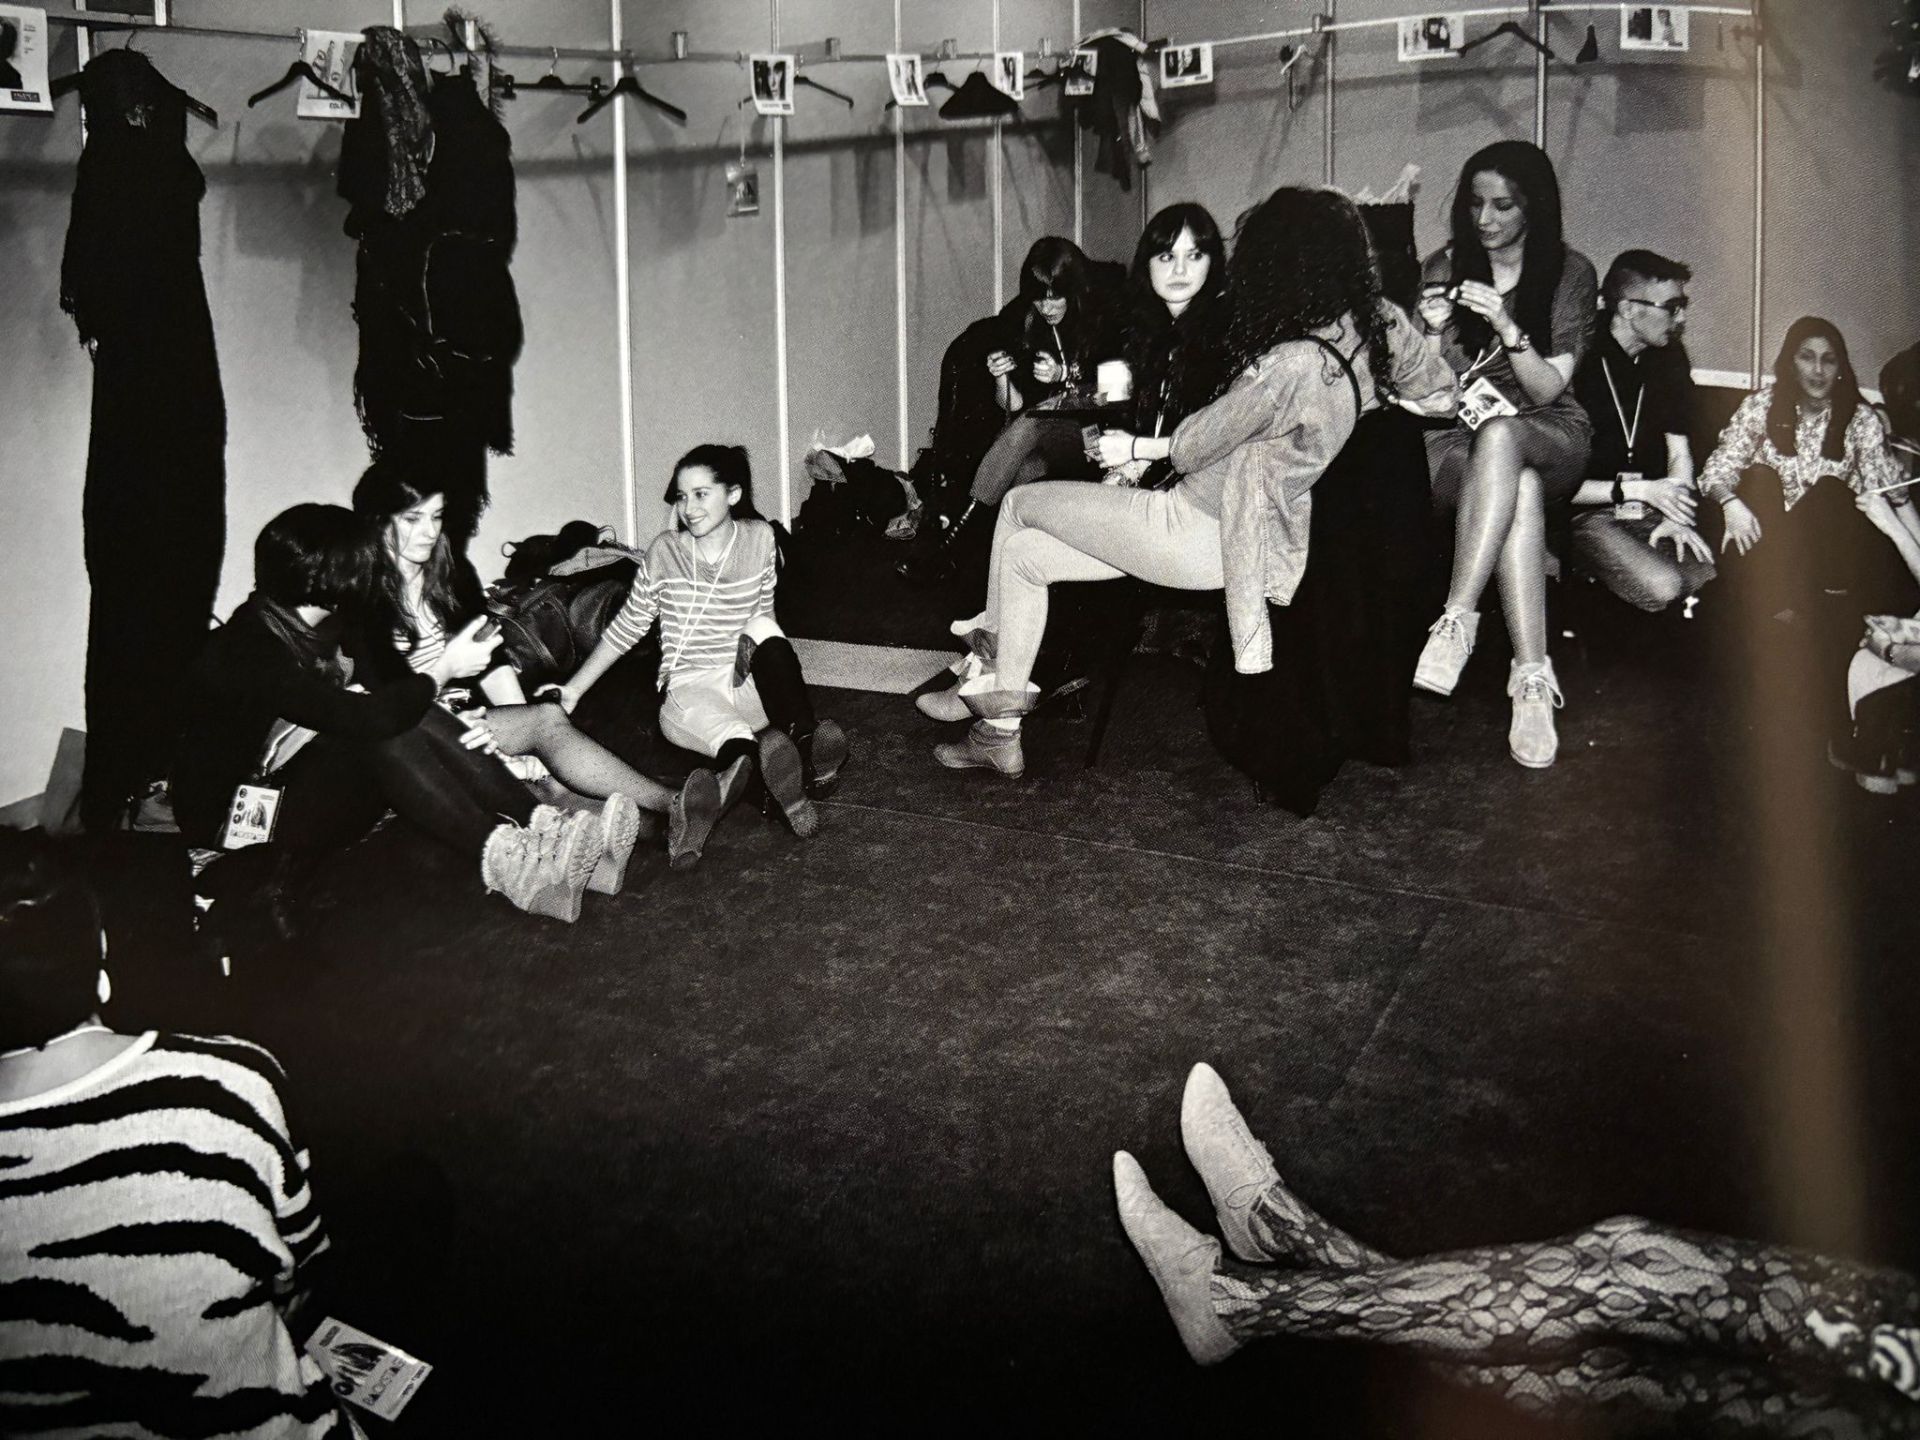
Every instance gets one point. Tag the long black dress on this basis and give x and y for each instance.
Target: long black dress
(1344, 650)
(155, 502)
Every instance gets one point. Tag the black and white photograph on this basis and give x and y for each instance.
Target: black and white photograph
(23, 60)
(1205, 760)
(772, 84)
(1182, 65)
(906, 78)
(1009, 73)
(329, 54)
(1431, 37)
(1654, 27)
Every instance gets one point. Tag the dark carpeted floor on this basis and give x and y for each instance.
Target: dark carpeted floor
(821, 1132)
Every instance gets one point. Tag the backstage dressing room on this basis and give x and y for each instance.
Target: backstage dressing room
(1000, 716)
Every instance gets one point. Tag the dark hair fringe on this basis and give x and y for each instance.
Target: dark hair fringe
(384, 491)
(1182, 353)
(1783, 417)
(1525, 167)
(49, 924)
(1302, 260)
(730, 466)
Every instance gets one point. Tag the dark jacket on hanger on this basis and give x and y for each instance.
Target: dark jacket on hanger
(427, 172)
(155, 502)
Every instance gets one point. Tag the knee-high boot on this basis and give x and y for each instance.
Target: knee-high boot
(941, 561)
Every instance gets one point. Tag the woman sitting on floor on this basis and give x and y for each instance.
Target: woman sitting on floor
(727, 670)
(1815, 560)
(1176, 316)
(1051, 339)
(1321, 348)
(422, 592)
(157, 1231)
(269, 703)
(1524, 317)
(1702, 1330)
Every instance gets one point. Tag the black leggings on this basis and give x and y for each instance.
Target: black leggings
(336, 789)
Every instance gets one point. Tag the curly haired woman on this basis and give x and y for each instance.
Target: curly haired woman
(1305, 365)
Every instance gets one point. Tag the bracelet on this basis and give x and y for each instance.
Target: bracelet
(1132, 442)
(1519, 346)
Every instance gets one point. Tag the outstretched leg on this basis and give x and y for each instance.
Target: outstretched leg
(579, 762)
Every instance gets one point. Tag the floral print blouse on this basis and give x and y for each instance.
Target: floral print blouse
(1866, 463)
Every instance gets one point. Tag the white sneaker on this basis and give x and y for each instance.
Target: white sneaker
(1536, 695)
(1449, 643)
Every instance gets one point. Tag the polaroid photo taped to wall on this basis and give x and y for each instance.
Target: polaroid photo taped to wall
(772, 84)
(1186, 65)
(24, 45)
(330, 55)
(1653, 27)
(1432, 37)
(1080, 73)
(906, 77)
(1009, 73)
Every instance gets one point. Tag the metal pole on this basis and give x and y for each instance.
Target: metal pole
(784, 420)
(1759, 191)
(623, 300)
(1329, 55)
(1079, 156)
(1539, 77)
(900, 263)
(996, 181)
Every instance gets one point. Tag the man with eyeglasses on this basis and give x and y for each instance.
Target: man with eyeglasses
(1636, 388)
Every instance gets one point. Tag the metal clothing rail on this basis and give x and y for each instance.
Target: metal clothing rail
(1325, 24)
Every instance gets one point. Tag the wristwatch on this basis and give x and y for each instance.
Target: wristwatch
(1522, 343)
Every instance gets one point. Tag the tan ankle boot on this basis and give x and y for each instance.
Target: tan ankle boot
(987, 746)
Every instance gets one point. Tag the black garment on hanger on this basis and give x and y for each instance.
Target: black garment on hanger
(439, 317)
(155, 502)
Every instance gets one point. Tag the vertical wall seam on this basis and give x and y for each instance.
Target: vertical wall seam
(900, 264)
(996, 172)
(1754, 350)
(1330, 55)
(1079, 155)
(784, 418)
(623, 295)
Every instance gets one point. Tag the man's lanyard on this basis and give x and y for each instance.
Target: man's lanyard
(1487, 357)
(1632, 432)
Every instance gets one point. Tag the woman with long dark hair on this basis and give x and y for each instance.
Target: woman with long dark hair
(1807, 484)
(270, 706)
(1303, 367)
(1042, 355)
(1515, 309)
(1174, 315)
(422, 592)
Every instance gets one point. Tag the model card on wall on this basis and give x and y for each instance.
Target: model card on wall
(329, 54)
(772, 84)
(1653, 27)
(23, 60)
(905, 78)
(1080, 74)
(1186, 65)
(1432, 37)
(1009, 73)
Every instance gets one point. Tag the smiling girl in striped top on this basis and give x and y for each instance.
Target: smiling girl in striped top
(727, 671)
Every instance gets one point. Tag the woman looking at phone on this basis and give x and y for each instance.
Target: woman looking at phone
(1515, 310)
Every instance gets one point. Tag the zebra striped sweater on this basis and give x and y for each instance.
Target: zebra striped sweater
(154, 1218)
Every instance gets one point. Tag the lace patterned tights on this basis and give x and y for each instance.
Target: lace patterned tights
(1624, 1314)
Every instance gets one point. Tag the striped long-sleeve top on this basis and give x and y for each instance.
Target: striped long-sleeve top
(154, 1217)
(701, 609)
